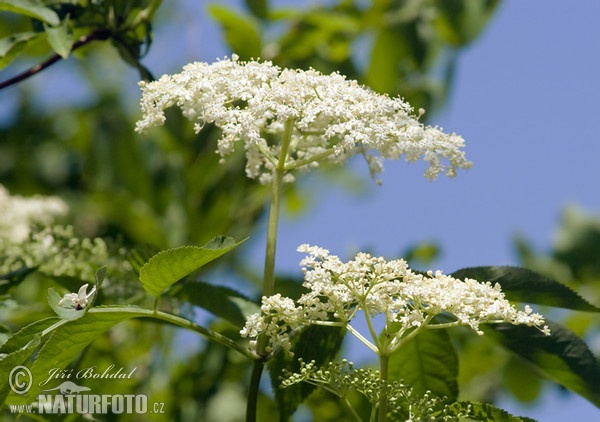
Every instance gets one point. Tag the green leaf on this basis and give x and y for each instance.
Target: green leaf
(12, 45)
(459, 22)
(259, 8)
(241, 32)
(428, 362)
(562, 356)
(523, 285)
(60, 38)
(383, 72)
(68, 340)
(475, 411)
(31, 8)
(18, 348)
(317, 343)
(221, 301)
(167, 267)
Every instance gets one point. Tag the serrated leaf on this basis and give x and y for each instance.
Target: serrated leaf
(221, 301)
(32, 8)
(18, 348)
(241, 32)
(562, 356)
(317, 343)
(427, 363)
(12, 45)
(523, 285)
(476, 411)
(167, 267)
(68, 340)
(60, 38)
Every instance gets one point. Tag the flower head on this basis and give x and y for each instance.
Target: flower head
(331, 118)
(408, 300)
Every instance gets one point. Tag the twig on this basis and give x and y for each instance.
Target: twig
(99, 35)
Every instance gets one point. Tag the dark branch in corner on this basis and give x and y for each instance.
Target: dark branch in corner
(100, 35)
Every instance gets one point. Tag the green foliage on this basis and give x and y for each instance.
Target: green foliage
(167, 267)
(562, 356)
(220, 301)
(315, 343)
(241, 32)
(126, 24)
(32, 8)
(428, 363)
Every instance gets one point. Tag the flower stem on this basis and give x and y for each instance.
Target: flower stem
(276, 187)
(269, 270)
(383, 370)
(251, 404)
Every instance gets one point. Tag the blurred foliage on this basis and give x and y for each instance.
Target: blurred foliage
(168, 188)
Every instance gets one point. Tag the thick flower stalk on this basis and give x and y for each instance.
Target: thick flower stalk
(332, 118)
(408, 300)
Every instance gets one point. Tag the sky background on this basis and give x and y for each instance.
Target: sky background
(526, 100)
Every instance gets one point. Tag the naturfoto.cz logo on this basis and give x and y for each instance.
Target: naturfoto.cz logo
(69, 397)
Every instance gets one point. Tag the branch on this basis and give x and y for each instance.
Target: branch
(99, 35)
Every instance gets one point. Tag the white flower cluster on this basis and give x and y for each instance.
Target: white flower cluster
(409, 301)
(330, 118)
(19, 214)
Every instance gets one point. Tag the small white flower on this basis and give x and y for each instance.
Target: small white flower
(77, 300)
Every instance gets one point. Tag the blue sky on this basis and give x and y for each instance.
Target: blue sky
(526, 102)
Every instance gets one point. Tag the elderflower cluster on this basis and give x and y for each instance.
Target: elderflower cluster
(409, 300)
(330, 118)
(19, 214)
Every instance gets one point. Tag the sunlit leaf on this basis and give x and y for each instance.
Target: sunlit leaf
(167, 267)
(12, 45)
(241, 32)
(523, 285)
(60, 38)
(32, 8)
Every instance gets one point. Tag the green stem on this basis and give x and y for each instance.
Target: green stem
(276, 187)
(383, 369)
(172, 319)
(269, 270)
(251, 404)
